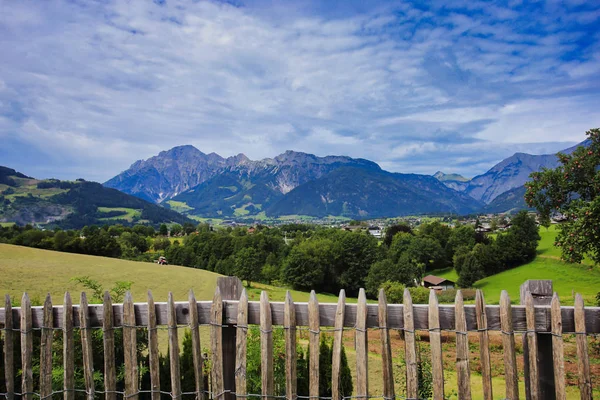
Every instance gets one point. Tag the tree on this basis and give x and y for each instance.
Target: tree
(248, 265)
(471, 272)
(176, 230)
(163, 230)
(404, 271)
(573, 190)
(308, 264)
(391, 231)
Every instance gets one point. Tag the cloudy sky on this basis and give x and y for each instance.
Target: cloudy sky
(87, 87)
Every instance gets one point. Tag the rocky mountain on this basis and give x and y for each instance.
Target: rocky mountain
(510, 173)
(169, 173)
(73, 204)
(453, 181)
(360, 193)
(182, 168)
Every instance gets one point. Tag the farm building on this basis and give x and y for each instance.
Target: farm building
(437, 283)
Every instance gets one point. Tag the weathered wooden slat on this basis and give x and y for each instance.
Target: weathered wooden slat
(463, 372)
(86, 346)
(435, 342)
(532, 344)
(314, 343)
(196, 348)
(511, 376)
(557, 350)
(583, 360)
(68, 349)
(173, 349)
(110, 370)
(338, 336)
(266, 347)
(46, 350)
(216, 345)
(130, 348)
(241, 346)
(410, 347)
(291, 379)
(26, 349)
(153, 355)
(361, 338)
(327, 315)
(9, 350)
(484, 345)
(386, 348)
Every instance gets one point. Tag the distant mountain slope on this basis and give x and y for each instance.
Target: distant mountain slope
(362, 193)
(74, 204)
(509, 201)
(511, 173)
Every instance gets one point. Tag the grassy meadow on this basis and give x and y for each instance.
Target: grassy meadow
(567, 278)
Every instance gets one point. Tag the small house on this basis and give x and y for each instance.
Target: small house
(375, 231)
(437, 283)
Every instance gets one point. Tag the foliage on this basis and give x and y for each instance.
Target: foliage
(117, 292)
(248, 265)
(573, 190)
(391, 231)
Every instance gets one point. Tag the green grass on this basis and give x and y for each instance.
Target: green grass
(566, 279)
(128, 213)
(179, 206)
(38, 272)
(6, 224)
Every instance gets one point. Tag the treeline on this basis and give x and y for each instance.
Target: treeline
(304, 256)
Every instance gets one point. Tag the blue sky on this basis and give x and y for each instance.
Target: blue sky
(88, 87)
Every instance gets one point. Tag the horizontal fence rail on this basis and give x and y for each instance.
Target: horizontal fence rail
(228, 323)
(543, 318)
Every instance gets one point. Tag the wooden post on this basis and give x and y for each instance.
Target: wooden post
(541, 292)
(231, 289)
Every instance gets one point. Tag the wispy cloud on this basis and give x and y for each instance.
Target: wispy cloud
(88, 87)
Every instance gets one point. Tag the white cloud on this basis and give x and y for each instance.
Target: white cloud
(120, 80)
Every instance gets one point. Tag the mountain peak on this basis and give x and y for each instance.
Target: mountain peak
(443, 177)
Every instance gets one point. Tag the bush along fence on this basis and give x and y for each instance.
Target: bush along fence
(229, 316)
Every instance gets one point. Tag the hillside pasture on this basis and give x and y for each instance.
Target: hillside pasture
(127, 214)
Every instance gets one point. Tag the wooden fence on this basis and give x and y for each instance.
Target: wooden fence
(229, 321)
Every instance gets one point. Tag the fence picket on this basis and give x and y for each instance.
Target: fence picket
(46, 350)
(557, 349)
(68, 349)
(484, 345)
(289, 323)
(386, 348)
(463, 372)
(26, 348)
(338, 337)
(266, 347)
(314, 338)
(583, 360)
(86, 346)
(153, 356)
(508, 343)
(130, 348)
(173, 348)
(9, 350)
(216, 345)
(241, 346)
(532, 344)
(196, 347)
(361, 337)
(435, 341)
(410, 347)
(110, 371)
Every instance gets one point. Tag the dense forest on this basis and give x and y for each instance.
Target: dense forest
(304, 256)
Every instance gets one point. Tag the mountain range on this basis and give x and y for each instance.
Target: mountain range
(295, 183)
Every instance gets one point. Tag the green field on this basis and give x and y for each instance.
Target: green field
(38, 272)
(567, 278)
(179, 206)
(128, 213)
